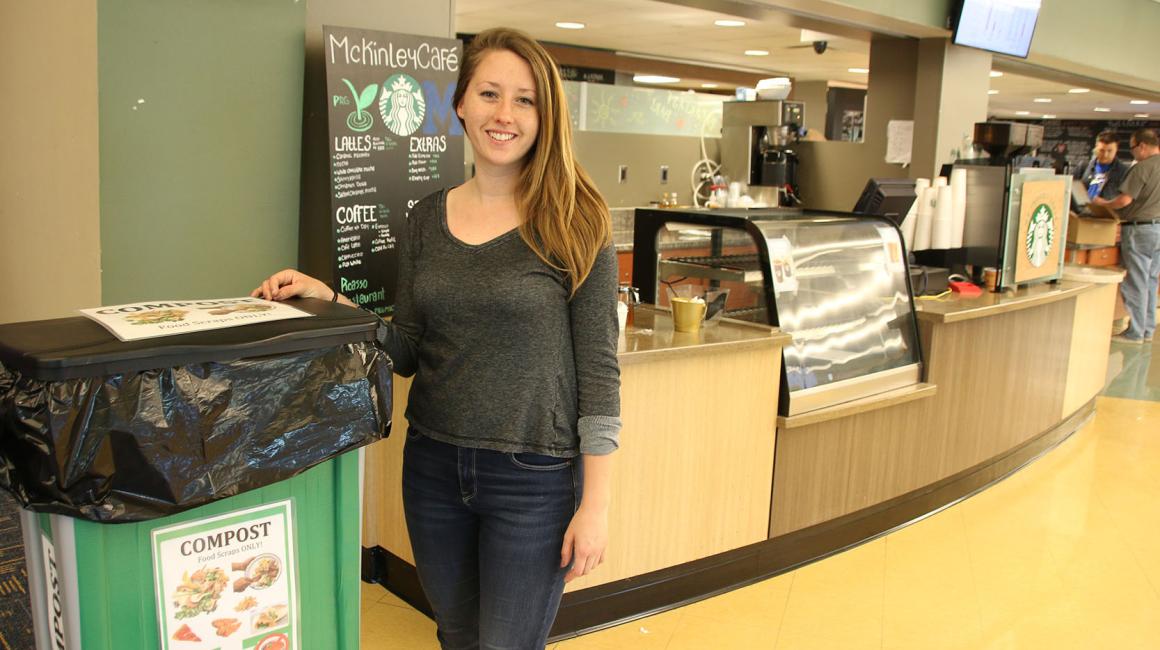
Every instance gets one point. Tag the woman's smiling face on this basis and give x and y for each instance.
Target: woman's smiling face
(499, 111)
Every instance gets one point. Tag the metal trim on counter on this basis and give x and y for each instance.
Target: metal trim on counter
(839, 392)
(907, 393)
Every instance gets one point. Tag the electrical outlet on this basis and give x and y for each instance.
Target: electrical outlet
(664, 174)
(622, 174)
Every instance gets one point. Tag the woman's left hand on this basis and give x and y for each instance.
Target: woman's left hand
(584, 541)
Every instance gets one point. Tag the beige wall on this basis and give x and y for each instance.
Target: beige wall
(832, 174)
(49, 196)
(815, 95)
(950, 97)
(602, 153)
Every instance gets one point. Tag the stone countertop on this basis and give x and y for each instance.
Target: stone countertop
(955, 308)
(652, 337)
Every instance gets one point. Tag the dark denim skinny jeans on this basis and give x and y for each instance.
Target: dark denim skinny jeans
(486, 528)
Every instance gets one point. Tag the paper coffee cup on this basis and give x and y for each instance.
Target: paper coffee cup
(687, 314)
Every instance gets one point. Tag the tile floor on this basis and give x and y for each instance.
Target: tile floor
(1061, 555)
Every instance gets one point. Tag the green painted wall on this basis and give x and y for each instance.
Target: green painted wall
(1120, 37)
(932, 13)
(200, 131)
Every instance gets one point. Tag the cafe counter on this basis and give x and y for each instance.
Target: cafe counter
(714, 490)
(693, 473)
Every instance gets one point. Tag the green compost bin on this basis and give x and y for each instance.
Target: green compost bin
(195, 492)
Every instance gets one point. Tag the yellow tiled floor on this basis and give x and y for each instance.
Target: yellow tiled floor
(1064, 554)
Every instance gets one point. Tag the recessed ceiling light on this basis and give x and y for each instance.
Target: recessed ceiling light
(729, 23)
(1049, 117)
(571, 25)
(1079, 91)
(859, 70)
(654, 79)
(996, 73)
(1138, 101)
(1042, 100)
(1101, 109)
(992, 92)
(1023, 112)
(708, 85)
(756, 52)
(1143, 115)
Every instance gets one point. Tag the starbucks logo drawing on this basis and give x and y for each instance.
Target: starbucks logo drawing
(402, 105)
(1040, 235)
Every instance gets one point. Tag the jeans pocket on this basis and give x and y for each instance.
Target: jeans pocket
(539, 462)
(412, 434)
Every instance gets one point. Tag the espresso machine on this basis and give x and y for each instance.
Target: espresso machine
(757, 148)
(1016, 217)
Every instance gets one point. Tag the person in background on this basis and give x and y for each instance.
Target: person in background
(1139, 206)
(1102, 176)
(1059, 160)
(1104, 172)
(506, 317)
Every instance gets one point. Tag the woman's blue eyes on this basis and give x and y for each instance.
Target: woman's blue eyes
(491, 94)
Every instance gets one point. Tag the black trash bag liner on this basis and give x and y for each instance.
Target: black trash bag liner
(137, 446)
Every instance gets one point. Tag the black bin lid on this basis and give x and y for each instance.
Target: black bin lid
(67, 348)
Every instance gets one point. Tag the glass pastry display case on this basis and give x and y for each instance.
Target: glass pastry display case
(838, 283)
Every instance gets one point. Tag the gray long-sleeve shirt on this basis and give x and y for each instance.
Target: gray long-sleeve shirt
(502, 359)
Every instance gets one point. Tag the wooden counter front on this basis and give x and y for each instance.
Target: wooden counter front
(693, 473)
(1007, 368)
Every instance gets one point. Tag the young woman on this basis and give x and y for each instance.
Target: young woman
(506, 316)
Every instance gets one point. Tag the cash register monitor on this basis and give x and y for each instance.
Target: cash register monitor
(887, 197)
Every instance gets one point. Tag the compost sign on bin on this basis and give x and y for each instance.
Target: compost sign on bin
(228, 582)
(143, 320)
(394, 138)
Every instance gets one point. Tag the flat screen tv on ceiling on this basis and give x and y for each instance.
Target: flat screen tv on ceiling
(1000, 26)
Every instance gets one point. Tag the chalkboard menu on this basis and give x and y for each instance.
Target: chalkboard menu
(1072, 140)
(394, 138)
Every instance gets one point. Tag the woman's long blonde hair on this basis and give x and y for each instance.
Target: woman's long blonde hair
(563, 218)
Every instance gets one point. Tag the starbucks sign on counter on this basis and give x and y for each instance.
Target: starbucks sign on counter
(394, 138)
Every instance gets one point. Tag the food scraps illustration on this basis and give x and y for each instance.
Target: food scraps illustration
(226, 626)
(247, 307)
(183, 633)
(272, 616)
(274, 642)
(155, 316)
(260, 572)
(199, 592)
(249, 602)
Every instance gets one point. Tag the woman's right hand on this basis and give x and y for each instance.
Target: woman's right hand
(289, 283)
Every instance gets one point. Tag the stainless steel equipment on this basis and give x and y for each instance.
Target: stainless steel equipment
(1016, 217)
(757, 147)
(836, 282)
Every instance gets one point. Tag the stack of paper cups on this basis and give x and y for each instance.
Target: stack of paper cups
(959, 207)
(924, 218)
(911, 219)
(943, 221)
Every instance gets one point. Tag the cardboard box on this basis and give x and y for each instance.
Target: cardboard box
(1075, 256)
(1088, 230)
(1104, 256)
